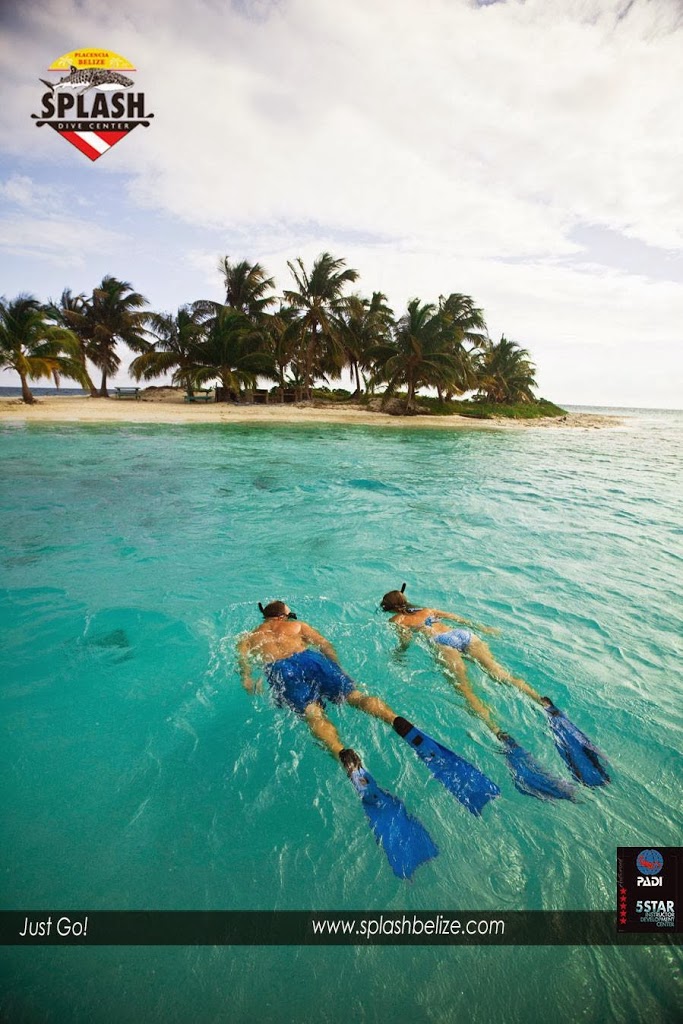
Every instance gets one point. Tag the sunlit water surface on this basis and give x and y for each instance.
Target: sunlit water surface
(137, 773)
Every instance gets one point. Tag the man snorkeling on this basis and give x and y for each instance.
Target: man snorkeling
(449, 645)
(303, 679)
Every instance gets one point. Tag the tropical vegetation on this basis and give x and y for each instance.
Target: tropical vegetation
(506, 373)
(317, 303)
(34, 345)
(299, 341)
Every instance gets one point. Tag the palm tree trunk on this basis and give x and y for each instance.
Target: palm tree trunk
(309, 361)
(26, 395)
(411, 393)
(103, 393)
(88, 378)
(231, 386)
(359, 391)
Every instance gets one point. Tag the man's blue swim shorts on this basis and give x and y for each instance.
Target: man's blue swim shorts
(306, 678)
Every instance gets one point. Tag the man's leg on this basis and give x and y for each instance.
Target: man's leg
(456, 668)
(481, 653)
(371, 706)
(323, 729)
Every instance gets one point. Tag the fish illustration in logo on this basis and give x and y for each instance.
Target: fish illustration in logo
(111, 109)
(90, 78)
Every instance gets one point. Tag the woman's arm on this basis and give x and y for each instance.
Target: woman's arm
(404, 634)
(466, 622)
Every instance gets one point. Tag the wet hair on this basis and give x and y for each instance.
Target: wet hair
(394, 601)
(273, 610)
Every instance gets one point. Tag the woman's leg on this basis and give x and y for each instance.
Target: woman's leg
(457, 670)
(481, 653)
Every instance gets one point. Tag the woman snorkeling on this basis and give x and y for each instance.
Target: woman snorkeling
(449, 645)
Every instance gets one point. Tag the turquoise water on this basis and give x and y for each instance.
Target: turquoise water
(138, 774)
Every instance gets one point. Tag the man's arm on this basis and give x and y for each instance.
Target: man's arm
(244, 655)
(312, 636)
(466, 622)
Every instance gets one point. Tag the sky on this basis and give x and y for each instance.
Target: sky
(525, 152)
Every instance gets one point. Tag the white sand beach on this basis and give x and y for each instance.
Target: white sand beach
(167, 406)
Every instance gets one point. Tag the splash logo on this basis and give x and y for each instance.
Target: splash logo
(92, 105)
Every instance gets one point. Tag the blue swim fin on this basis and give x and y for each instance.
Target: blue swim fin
(405, 841)
(528, 775)
(470, 786)
(580, 755)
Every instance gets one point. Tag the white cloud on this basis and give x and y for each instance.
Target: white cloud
(18, 189)
(499, 127)
(68, 242)
(41, 223)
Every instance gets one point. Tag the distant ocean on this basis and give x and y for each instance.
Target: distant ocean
(16, 392)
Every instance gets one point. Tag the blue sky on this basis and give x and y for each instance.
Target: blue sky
(527, 154)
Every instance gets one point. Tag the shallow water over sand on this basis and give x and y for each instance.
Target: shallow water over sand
(138, 774)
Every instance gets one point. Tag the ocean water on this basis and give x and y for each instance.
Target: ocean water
(7, 392)
(137, 773)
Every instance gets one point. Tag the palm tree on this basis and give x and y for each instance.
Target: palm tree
(34, 346)
(70, 312)
(506, 373)
(231, 349)
(113, 315)
(177, 345)
(317, 301)
(364, 324)
(463, 325)
(280, 340)
(418, 354)
(246, 285)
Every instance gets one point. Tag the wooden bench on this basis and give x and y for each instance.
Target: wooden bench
(127, 393)
(200, 395)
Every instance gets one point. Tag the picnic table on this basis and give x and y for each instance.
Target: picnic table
(200, 395)
(127, 393)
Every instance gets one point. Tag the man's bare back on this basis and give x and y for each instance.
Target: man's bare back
(280, 638)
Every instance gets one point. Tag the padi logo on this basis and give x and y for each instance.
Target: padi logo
(92, 106)
(649, 863)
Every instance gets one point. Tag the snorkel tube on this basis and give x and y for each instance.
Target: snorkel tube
(407, 608)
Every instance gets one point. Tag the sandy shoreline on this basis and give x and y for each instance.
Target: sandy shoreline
(173, 409)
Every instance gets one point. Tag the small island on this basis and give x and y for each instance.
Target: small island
(433, 362)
